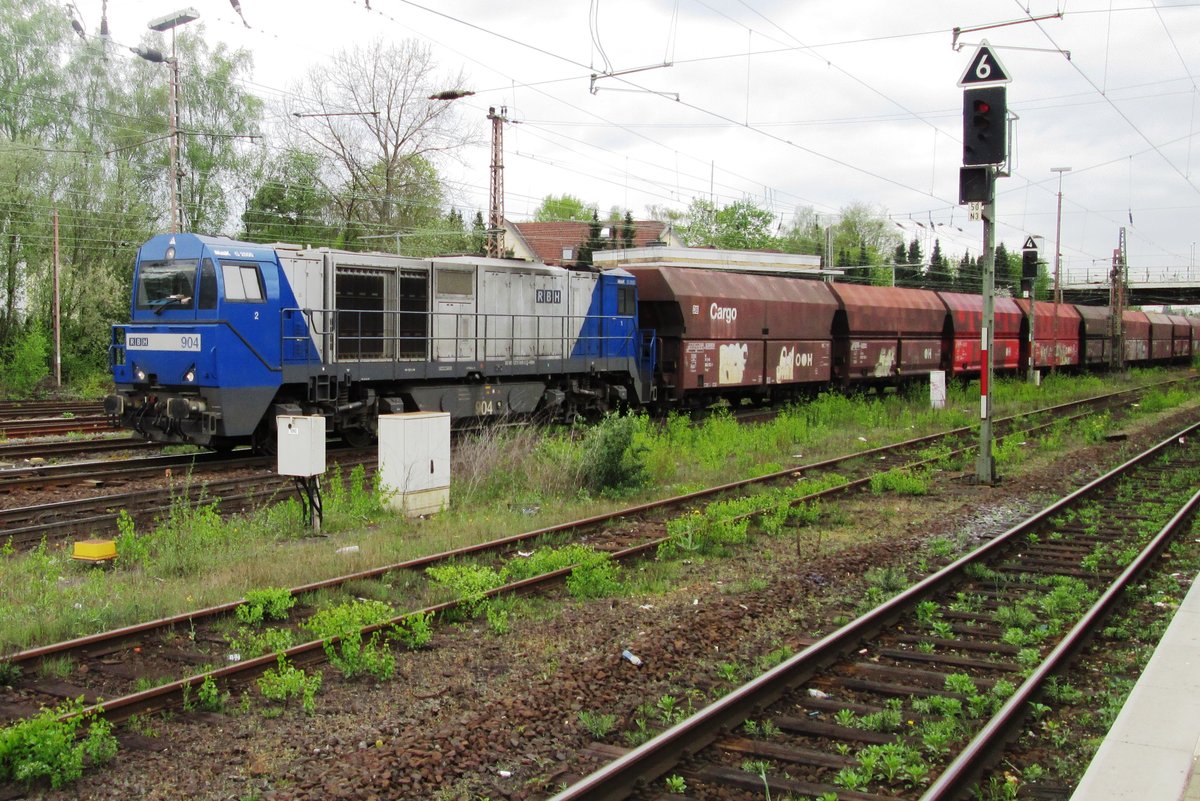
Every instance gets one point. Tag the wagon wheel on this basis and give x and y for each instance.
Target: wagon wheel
(358, 437)
(222, 444)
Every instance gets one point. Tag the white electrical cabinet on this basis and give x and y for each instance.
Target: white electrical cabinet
(301, 450)
(414, 461)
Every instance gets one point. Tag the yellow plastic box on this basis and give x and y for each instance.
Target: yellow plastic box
(95, 550)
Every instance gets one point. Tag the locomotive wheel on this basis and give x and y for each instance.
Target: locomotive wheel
(264, 441)
(222, 444)
(358, 437)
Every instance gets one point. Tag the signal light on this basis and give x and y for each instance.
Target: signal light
(1029, 264)
(985, 127)
(975, 185)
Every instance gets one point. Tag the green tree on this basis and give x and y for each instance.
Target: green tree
(908, 265)
(805, 234)
(739, 226)
(914, 252)
(559, 208)
(593, 243)
(864, 229)
(628, 231)
(969, 276)
(371, 114)
(939, 269)
(291, 204)
(478, 241)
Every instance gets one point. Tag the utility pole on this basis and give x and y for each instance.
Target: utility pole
(57, 312)
(1057, 357)
(173, 131)
(1117, 305)
(162, 24)
(495, 233)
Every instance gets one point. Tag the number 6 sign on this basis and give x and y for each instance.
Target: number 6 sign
(984, 68)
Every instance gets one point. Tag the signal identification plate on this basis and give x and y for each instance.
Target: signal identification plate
(183, 343)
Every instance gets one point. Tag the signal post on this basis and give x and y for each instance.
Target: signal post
(985, 150)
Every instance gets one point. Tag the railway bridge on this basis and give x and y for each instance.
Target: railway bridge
(1147, 286)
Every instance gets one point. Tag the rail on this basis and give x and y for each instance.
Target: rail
(635, 768)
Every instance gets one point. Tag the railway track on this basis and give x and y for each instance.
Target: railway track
(22, 428)
(19, 451)
(256, 482)
(919, 696)
(160, 650)
(10, 410)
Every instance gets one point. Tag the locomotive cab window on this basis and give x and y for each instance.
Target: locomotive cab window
(208, 285)
(166, 283)
(625, 304)
(242, 282)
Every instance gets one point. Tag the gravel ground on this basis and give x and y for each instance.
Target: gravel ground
(478, 715)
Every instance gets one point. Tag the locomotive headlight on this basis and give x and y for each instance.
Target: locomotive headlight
(139, 374)
(170, 252)
(190, 375)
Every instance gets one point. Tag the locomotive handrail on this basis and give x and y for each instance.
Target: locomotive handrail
(487, 337)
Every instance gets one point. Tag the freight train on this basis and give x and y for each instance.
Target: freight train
(226, 335)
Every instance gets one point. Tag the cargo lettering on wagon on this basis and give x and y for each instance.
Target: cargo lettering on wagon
(182, 343)
(727, 314)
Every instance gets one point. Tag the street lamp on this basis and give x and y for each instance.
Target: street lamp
(170, 22)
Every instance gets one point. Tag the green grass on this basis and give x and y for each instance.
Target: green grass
(504, 481)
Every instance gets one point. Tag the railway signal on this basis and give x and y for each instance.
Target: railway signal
(985, 127)
(1029, 260)
(1029, 271)
(985, 148)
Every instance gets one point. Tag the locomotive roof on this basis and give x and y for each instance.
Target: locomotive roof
(192, 246)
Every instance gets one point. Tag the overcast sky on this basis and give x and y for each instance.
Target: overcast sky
(817, 103)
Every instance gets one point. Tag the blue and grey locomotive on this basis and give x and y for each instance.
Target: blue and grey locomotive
(226, 335)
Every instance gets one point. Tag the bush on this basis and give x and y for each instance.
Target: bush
(470, 583)
(416, 630)
(45, 747)
(26, 363)
(901, 482)
(270, 602)
(613, 464)
(286, 682)
(350, 654)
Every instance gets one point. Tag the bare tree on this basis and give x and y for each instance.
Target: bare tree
(369, 110)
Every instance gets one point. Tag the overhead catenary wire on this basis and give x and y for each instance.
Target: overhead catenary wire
(948, 205)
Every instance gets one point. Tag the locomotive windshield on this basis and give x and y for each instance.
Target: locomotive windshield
(163, 283)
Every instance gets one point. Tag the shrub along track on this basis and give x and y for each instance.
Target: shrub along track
(28, 517)
(119, 665)
(937, 665)
(495, 715)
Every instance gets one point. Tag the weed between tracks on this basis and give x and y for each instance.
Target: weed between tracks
(195, 559)
(505, 480)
